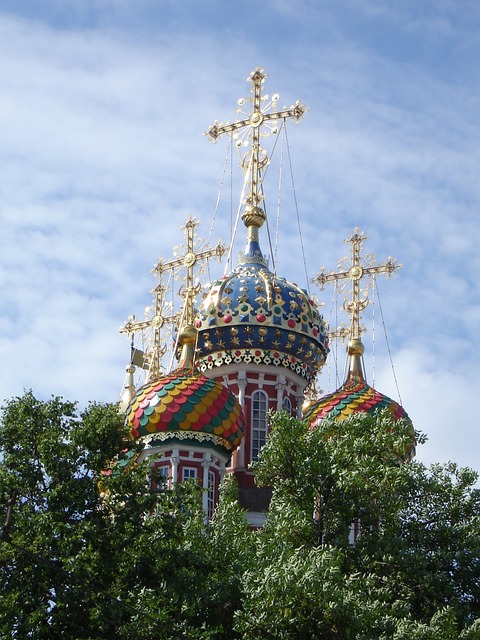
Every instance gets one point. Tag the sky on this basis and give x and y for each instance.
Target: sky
(103, 107)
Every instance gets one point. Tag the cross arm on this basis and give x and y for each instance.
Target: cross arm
(389, 267)
(323, 278)
(217, 130)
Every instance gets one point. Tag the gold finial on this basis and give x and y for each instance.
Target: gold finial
(360, 268)
(355, 350)
(128, 389)
(182, 267)
(261, 121)
(187, 340)
(355, 347)
(310, 396)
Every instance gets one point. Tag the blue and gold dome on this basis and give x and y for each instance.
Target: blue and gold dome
(254, 316)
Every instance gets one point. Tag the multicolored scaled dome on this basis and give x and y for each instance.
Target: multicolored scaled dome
(355, 396)
(254, 316)
(186, 405)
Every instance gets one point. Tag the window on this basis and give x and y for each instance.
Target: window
(163, 471)
(287, 404)
(162, 475)
(259, 422)
(211, 494)
(189, 473)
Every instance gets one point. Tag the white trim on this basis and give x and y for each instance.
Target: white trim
(210, 493)
(189, 475)
(227, 369)
(258, 424)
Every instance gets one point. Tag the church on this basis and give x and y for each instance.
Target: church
(244, 344)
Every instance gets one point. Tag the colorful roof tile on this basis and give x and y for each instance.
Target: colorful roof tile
(354, 396)
(187, 405)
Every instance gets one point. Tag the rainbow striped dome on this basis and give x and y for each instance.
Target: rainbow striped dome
(186, 406)
(355, 396)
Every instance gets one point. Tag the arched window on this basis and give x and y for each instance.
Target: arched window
(259, 422)
(287, 404)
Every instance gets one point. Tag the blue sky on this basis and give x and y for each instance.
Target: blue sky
(102, 109)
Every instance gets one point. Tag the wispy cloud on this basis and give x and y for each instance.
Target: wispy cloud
(103, 159)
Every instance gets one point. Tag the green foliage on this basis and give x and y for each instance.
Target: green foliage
(89, 555)
(342, 469)
(414, 570)
(123, 562)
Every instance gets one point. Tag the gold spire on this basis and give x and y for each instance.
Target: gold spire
(187, 339)
(355, 350)
(260, 122)
(359, 268)
(182, 267)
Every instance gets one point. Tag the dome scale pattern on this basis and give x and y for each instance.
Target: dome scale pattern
(355, 396)
(186, 405)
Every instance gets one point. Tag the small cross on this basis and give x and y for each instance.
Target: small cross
(360, 267)
(260, 122)
(189, 255)
(154, 349)
(188, 260)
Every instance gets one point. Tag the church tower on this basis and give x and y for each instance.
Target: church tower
(355, 395)
(259, 334)
(254, 343)
(185, 423)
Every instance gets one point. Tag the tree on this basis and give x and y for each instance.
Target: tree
(413, 572)
(92, 555)
(87, 554)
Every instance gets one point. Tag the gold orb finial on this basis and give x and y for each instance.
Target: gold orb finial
(253, 217)
(355, 347)
(188, 335)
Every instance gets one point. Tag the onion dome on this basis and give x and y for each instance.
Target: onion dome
(186, 405)
(252, 315)
(355, 396)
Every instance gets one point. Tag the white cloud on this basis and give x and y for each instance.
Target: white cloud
(103, 159)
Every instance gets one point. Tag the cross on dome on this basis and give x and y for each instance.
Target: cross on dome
(188, 255)
(359, 268)
(260, 122)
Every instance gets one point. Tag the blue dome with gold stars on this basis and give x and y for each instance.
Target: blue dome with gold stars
(254, 316)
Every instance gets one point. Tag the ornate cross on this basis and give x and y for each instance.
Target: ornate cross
(360, 267)
(188, 256)
(154, 349)
(260, 118)
(188, 260)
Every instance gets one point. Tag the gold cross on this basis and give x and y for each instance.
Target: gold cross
(360, 267)
(260, 122)
(188, 256)
(154, 347)
(188, 260)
